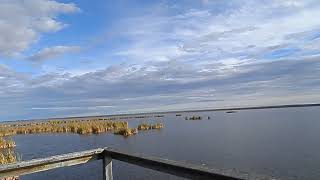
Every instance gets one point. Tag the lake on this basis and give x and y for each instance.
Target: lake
(283, 143)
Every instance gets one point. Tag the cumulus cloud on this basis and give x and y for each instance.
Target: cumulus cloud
(22, 22)
(53, 52)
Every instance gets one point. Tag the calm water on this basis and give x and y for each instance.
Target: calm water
(277, 142)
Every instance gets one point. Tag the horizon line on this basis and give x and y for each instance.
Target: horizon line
(177, 111)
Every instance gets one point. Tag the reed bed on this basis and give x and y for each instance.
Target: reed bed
(6, 143)
(7, 155)
(193, 118)
(64, 126)
(126, 131)
(84, 126)
(145, 126)
(132, 131)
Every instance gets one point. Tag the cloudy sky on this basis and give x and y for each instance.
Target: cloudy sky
(72, 58)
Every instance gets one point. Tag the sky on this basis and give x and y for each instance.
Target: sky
(76, 58)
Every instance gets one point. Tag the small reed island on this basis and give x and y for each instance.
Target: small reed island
(145, 126)
(230, 112)
(126, 131)
(141, 127)
(193, 118)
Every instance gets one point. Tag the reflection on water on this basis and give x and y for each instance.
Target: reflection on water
(277, 142)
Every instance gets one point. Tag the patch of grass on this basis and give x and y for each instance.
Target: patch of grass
(63, 126)
(87, 126)
(6, 143)
(7, 156)
(126, 131)
(145, 126)
(193, 118)
(157, 126)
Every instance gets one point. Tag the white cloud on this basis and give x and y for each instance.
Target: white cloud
(160, 85)
(243, 32)
(22, 22)
(196, 58)
(53, 52)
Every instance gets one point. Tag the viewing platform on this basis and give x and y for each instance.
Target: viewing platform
(180, 169)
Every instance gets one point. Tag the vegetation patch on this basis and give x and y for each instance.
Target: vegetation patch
(7, 155)
(94, 126)
(126, 131)
(6, 143)
(157, 126)
(193, 118)
(145, 126)
(84, 126)
(229, 112)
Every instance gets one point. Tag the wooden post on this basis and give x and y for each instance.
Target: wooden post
(107, 168)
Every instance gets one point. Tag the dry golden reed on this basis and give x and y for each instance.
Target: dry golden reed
(94, 126)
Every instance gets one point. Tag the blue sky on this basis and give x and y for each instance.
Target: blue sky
(72, 58)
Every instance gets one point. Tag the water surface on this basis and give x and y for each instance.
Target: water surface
(277, 142)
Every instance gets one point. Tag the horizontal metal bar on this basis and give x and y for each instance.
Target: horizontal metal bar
(43, 164)
(180, 169)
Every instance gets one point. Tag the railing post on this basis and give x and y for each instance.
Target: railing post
(107, 168)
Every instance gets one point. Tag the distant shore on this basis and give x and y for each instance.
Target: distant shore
(161, 113)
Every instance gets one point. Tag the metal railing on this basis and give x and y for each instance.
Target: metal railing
(176, 168)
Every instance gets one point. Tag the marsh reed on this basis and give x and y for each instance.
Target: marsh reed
(146, 126)
(94, 126)
(7, 155)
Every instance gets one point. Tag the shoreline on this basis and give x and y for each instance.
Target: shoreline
(160, 113)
